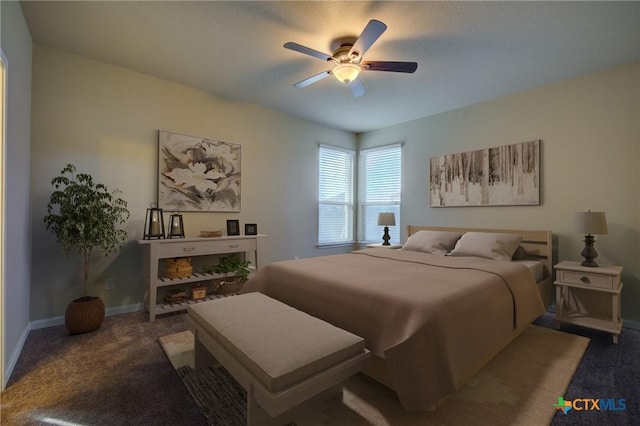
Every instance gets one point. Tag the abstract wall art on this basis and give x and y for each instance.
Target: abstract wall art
(198, 174)
(507, 175)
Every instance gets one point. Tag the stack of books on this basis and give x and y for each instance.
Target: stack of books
(174, 296)
(209, 234)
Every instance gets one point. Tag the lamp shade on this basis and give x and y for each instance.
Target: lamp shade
(591, 223)
(386, 219)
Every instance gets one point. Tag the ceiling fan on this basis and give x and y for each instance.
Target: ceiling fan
(347, 60)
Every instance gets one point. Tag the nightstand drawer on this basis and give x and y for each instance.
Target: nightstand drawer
(588, 280)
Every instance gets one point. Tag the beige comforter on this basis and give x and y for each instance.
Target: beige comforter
(433, 319)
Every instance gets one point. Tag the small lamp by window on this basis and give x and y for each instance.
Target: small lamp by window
(176, 226)
(386, 220)
(590, 223)
(154, 223)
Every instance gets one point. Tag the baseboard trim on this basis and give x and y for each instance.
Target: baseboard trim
(109, 312)
(15, 354)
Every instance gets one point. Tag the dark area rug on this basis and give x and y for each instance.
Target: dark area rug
(607, 371)
(220, 398)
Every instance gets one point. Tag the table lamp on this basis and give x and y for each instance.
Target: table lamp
(590, 223)
(386, 220)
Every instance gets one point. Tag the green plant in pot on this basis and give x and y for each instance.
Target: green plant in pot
(230, 264)
(85, 216)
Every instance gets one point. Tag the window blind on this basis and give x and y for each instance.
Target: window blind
(335, 195)
(380, 171)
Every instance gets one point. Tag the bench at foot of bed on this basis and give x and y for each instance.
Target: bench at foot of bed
(283, 357)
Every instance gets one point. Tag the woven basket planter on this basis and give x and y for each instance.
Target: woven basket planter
(228, 286)
(84, 314)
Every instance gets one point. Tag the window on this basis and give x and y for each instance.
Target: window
(379, 191)
(335, 196)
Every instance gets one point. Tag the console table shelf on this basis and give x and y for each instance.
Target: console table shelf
(166, 308)
(156, 250)
(195, 277)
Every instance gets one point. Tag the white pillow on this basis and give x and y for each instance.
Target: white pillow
(436, 242)
(495, 246)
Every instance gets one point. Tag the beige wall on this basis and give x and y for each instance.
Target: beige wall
(16, 45)
(590, 132)
(105, 119)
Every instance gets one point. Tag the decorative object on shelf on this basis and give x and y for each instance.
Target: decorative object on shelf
(176, 225)
(174, 295)
(198, 293)
(590, 223)
(230, 264)
(85, 216)
(502, 176)
(210, 234)
(179, 267)
(250, 229)
(198, 174)
(228, 287)
(233, 227)
(386, 220)
(154, 223)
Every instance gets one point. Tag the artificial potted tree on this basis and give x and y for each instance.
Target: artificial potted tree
(85, 216)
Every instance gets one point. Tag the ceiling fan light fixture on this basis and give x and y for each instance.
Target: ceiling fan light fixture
(347, 72)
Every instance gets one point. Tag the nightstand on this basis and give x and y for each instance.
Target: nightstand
(589, 296)
(379, 245)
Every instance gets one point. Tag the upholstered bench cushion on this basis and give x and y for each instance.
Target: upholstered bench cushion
(278, 344)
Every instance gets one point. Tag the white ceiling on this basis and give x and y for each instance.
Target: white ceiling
(467, 52)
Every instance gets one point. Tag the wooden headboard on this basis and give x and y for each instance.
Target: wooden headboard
(538, 244)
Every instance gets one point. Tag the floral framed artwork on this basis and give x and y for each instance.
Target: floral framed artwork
(507, 175)
(198, 174)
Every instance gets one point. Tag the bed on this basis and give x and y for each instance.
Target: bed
(431, 321)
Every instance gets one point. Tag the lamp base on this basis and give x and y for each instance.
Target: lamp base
(386, 237)
(589, 252)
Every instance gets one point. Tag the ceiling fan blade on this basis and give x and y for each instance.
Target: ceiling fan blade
(309, 81)
(369, 35)
(408, 67)
(357, 88)
(306, 50)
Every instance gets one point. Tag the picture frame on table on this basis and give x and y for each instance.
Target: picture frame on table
(250, 229)
(233, 227)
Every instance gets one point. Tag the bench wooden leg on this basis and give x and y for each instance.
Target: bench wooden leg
(256, 416)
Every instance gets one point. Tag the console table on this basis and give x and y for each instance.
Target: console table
(156, 250)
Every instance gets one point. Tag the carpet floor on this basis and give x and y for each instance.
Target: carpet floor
(120, 375)
(117, 375)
